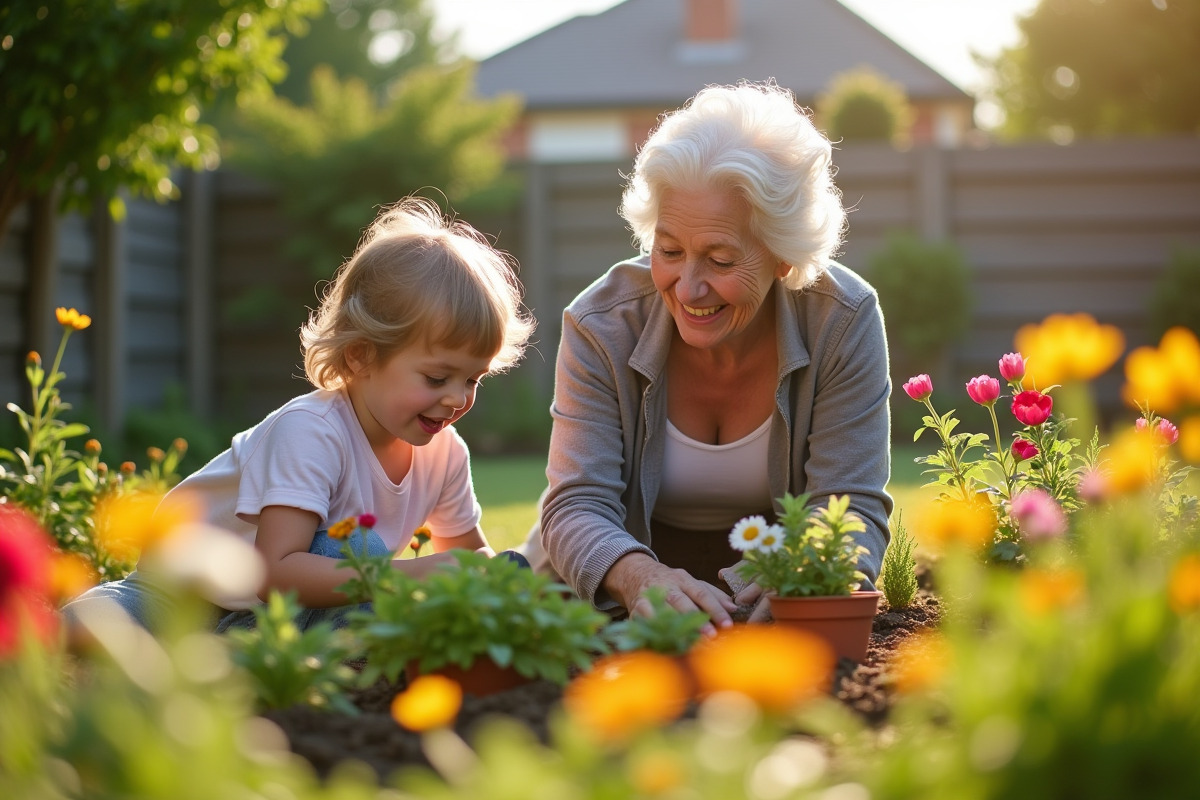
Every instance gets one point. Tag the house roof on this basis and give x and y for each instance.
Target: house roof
(634, 54)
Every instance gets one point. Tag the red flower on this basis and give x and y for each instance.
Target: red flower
(366, 520)
(1031, 407)
(1024, 449)
(26, 562)
(919, 387)
(1012, 367)
(1167, 431)
(983, 389)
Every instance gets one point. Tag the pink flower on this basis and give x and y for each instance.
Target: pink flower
(366, 521)
(1024, 449)
(1093, 486)
(1031, 407)
(983, 389)
(1167, 430)
(919, 387)
(1012, 367)
(1037, 515)
(1141, 424)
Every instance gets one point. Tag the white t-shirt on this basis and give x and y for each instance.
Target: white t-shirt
(312, 454)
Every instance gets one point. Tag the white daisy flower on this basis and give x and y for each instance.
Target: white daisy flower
(748, 532)
(772, 539)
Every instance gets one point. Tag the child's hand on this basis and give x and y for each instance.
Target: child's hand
(486, 550)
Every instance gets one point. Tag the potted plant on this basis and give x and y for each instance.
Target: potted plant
(808, 566)
(488, 623)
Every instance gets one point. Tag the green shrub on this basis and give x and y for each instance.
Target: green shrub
(898, 576)
(1176, 297)
(925, 293)
(863, 105)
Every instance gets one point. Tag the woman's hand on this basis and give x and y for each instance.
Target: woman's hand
(629, 578)
(745, 594)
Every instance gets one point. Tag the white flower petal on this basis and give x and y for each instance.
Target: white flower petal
(748, 532)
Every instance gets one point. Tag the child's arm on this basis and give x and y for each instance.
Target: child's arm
(284, 536)
(471, 540)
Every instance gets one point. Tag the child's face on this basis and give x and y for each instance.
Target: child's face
(416, 392)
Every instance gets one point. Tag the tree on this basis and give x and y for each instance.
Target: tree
(1102, 68)
(337, 161)
(100, 95)
(862, 105)
(374, 40)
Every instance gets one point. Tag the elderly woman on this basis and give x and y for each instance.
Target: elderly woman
(732, 362)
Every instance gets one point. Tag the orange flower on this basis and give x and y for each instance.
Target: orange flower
(1045, 590)
(1130, 462)
(1189, 439)
(1184, 586)
(657, 773)
(343, 528)
(950, 522)
(70, 576)
(626, 693)
(431, 701)
(776, 667)
(420, 537)
(129, 523)
(70, 318)
(1066, 347)
(921, 662)
(1167, 377)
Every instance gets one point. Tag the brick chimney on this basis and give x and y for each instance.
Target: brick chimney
(710, 21)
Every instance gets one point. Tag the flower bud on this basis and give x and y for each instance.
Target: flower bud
(1024, 449)
(983, 389)
(92, 446)
(919, 387)
(33, 358)
(1012, 367)
(128, 468)
(180, 446)
(155, 454)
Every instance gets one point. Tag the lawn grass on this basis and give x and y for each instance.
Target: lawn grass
(508, 488)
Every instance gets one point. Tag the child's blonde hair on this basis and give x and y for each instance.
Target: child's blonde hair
(417, 275)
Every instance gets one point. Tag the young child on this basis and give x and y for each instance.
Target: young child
(422, 311)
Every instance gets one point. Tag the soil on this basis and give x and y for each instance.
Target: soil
(324, 738)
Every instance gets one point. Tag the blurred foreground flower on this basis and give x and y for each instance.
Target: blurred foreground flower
(1130, 463)
(956, 522)
(776, 667)
(1037, 515)
(430, 701)
(1068, 347)
(131, 522)
(1045, 590)
(920, 662)
(1184, 586)
(1164, 378)
(626, 693)
(26, 559)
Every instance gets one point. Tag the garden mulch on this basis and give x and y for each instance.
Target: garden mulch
(372, 737)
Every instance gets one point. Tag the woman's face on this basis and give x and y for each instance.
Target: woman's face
(712, 273)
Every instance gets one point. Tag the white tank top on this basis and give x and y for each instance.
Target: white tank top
(711, 486)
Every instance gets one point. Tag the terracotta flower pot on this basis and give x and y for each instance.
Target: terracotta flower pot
(481, 679)
(845, 622)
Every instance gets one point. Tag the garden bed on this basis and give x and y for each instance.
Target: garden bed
(325, 738)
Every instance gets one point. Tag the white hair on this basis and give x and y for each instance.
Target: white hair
(754, 139)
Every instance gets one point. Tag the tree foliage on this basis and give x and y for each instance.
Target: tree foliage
(100, 95)
(862, 105)
(339, 159)
(374, 40)
(1102, 68)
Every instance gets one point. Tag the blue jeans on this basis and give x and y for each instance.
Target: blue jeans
(150, 604)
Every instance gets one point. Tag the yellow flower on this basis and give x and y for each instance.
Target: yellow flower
(71, 575)
(1066, 347)
(951, 521)
(1184, 587)
(776, 667)
(343, 528)
(431, 701)
(656, 773)
(70, 318)
(131, 522)
(626, 693)
(1045, 590)
(1189, 439)
(1130, 462)
(1167, 377)
(920, 662)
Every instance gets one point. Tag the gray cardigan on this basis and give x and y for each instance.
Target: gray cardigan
(829, 434)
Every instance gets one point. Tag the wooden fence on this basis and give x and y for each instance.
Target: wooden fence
(202, 294)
